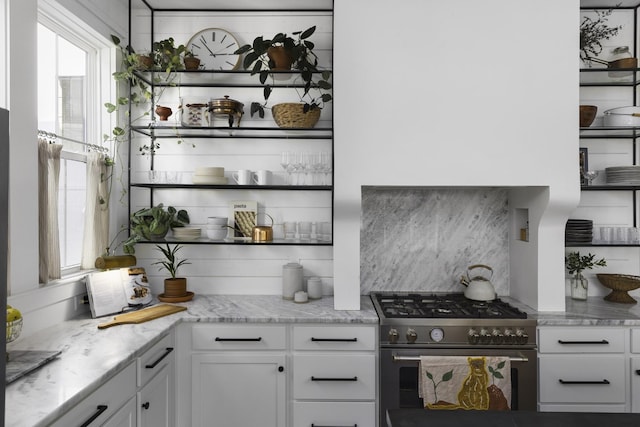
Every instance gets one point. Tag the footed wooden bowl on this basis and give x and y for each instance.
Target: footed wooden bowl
(620, 285)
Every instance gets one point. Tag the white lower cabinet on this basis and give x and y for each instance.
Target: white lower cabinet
(155, 401)
(334, 375)
(583, 369)
(102, 404)
(635, 370)
(126, 416)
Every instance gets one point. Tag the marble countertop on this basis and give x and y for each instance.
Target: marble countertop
(91, 356)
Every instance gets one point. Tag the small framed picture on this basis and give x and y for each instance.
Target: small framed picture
(584, 164)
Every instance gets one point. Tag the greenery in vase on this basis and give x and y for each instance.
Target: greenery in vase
(304, 61)
(575, 263)
(170, 263)
(594, 31)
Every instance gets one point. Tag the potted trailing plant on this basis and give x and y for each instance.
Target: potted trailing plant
(191, 61)
(175, 288)
(153, 224)
(167, 56)
(575, 264)
(260, 58)
(593, 31)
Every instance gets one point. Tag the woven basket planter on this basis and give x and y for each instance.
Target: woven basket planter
(291, 115)
(619, 284)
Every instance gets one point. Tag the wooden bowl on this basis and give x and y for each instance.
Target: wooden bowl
(587, 115)
(619, 284)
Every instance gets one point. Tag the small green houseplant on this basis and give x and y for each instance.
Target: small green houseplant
(153, 224)
(174, 287)
(259, 58)
(167, 56)
(575, 265)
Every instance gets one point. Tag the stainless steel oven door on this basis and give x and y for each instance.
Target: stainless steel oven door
(399, 375)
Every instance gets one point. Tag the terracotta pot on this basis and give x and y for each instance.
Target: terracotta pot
(281, 58)
(163, 112)
(191, 63)
(145, 62)
(174, 288)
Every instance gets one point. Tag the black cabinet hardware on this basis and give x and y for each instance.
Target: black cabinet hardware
(334, 339)
(280, 368)
(604, 382)
(99, 410)
(145, 405)
(583, 342)
(333, 379)
(317, 425)
(168, 351)
(637, 371)
(238, 339)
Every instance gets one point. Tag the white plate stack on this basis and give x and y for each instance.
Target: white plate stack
(623, 175)
(187, 233)
(211, 175)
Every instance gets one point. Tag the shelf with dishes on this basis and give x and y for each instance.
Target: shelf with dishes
(181, 132)
(240, 242)
(235, 187)
(609, 77)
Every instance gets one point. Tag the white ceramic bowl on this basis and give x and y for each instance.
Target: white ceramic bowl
(217, 220)
(216, 227)
(219, 234)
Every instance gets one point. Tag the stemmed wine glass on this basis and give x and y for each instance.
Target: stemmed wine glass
(287, 161)
(590, 176)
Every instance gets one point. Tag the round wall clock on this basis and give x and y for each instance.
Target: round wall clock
(215, 47)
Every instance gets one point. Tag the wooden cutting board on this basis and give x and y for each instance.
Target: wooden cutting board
(143, 315)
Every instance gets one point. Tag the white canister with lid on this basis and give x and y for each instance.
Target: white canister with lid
(292, 280)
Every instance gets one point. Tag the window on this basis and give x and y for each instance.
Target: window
(70, 63)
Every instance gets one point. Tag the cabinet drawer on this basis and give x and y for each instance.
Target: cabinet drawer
(581, 340)
(635, 384)
(154, 359)
(334, 338)
(582, 379)
(238, 337)
(104, 402)
(635, 341)
(308, 414)
(334, 376)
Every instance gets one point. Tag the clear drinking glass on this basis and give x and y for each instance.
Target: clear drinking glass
(287, 161)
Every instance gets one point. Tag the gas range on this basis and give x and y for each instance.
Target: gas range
(450, 319)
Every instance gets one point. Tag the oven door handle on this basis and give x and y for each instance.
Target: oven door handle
(397, 358)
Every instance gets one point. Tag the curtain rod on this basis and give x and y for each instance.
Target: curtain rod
(52, 135)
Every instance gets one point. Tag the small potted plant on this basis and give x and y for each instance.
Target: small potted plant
(175, 288)
(167, 56)
(575, 264)
(191, 61)
(153, 224)
(593, 31)
(262, 58)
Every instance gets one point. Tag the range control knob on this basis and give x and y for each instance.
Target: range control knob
(485, 336)
(393, 335)
(412, 335)
(521, 336)
(472, 336)
(497, 337)
(509, 336)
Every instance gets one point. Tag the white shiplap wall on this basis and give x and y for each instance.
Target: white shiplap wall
(614, 208)
(224, 269)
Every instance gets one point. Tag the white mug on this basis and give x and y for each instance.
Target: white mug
(242, 177)
(262, 177)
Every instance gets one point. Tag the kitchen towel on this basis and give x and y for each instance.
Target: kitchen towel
(465, 382)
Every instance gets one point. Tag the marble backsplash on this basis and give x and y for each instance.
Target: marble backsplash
(423, 239)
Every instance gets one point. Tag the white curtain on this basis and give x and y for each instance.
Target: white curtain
(96, 216)
(48, 184)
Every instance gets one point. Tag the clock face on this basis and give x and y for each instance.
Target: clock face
(215, 47)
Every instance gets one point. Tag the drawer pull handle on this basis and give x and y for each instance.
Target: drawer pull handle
(318, 425)
(604, 382)
(99, 410)
(167, 351)
(334, 339)
(333, 379)
(238, 339)
(583, 342)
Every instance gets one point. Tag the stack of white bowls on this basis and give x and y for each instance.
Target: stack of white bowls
(212, 175)
(187, 233)
(217, 227)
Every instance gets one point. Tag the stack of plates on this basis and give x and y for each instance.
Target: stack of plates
(187, 233)
(579, 231)
(209, 175)
(623, 175)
